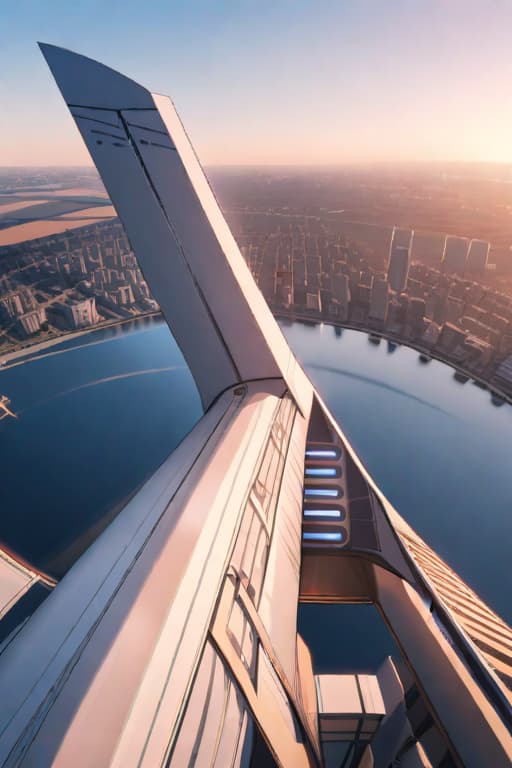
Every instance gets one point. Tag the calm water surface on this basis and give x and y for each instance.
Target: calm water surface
(96, 420)
(97, 415)
(439, 450)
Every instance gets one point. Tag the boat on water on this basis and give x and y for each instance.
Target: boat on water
(5, 411)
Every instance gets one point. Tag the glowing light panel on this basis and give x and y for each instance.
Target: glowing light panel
(322, 513)
(320, 472)
(321, 453)
(331, 492)
(322, 536)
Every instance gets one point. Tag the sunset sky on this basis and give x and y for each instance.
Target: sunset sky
(276, 81)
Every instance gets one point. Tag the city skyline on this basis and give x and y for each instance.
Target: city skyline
(297, 84)
(444, 304)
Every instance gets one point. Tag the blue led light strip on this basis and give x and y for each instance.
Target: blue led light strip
(318, 453)
(320, 471)
(331, 492)
(322, 513)
(322, 536)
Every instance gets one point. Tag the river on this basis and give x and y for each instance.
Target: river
(98, 414)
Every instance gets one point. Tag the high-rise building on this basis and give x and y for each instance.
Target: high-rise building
(313, 302)
(379, 300)
(78, 265)
(477, 257)
(431, 305)
(81, 313)
(363, 295)
(299, 296)
(451, 339)
(125, 293)
(341, 292)
(31, 322)
(11, 305)
(455, 255)
(416, 314)
(431, 333)
(173, 640)
(283, 287)
(366, 277)
(454, 309)
(399, 258)
(442, 294)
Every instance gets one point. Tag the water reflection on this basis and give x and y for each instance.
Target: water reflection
(439, 450)
(97, 415)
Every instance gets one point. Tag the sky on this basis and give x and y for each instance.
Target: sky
(309, 82)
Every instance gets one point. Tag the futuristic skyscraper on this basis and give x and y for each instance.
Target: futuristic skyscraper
(173, 640)
(399, 258)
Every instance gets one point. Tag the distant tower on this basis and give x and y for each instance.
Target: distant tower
(341, 292)
(477, 257)
(455, 254)
(283, 289)
(379, 300)
(416, 314)
(399, 258)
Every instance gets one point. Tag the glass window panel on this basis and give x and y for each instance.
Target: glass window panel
(243, 636)
(217, 729)
(233, 731)
(335, 753)
(244, 753)
(241, 541)
(258, 571)
(269, 681)
(212, 722)
(196, 707)
(371, 725)
(236, 624)
(260, 755)
(339, 724)
(251, 546)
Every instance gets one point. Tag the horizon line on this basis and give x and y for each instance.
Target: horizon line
(325, 164)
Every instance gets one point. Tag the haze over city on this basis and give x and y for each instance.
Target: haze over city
(277, 83)
(255, 384)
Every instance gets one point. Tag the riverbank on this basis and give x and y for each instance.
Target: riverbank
(394, 339)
